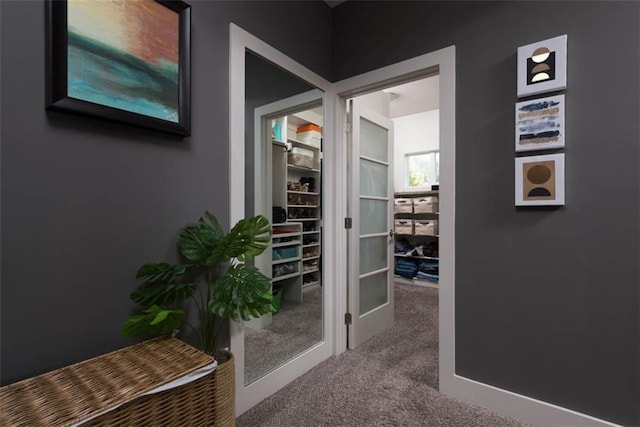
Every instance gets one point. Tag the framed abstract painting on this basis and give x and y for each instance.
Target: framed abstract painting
(540, 180)
(124, 60)
(540, 124)
(542, 66)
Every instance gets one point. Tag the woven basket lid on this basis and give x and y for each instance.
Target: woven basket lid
(71, 394)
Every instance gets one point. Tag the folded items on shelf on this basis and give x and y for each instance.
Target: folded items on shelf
(284, 269)
(426, 249)
(309, 226)
(429, 267)
(310, 240)
(431, 249)
(424, 276)
(310, 265)
(406, 267)
(401, 246)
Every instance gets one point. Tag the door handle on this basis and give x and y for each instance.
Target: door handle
(391, 233)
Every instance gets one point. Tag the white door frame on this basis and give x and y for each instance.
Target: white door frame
(508, 403)
(442, 61)
(240, 42)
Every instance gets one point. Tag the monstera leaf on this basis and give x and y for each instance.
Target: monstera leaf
(160, 272)
(153, 321)
(247, 239)
(197, 243)
(244, 292)
(240, 293)
(163, 294)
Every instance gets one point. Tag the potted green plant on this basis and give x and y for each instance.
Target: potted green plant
(213, 279)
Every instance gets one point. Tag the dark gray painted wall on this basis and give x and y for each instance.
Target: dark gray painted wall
(86, 202)
(547, 300)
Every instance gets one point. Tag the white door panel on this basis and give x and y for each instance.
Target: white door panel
(370, 238)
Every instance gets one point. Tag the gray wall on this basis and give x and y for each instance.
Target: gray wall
(547, 300)
(86, 202)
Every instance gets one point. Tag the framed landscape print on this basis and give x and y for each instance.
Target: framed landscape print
(126, 60)
(540, 124)
(540, 180)
(542, 66)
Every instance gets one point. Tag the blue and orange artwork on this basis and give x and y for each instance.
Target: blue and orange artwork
(540, 124)
(124, 54)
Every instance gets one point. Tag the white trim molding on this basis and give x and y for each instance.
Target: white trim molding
(518, 406)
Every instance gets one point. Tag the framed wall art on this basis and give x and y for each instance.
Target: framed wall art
(127, 61)
(542, 66)
(540, 180)
(540, 124)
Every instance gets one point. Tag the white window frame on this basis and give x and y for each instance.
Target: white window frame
(406, 169)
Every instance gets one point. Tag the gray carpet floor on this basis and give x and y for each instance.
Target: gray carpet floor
(294, 329)
(390, 380)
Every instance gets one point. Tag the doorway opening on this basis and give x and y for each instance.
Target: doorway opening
(413, 218)
(441, 63)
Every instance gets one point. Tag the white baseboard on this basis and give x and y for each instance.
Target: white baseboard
(517, 406)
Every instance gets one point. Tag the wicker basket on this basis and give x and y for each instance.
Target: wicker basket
(225, 396)
(110, 390)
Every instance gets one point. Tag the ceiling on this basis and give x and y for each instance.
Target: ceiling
(415, 97)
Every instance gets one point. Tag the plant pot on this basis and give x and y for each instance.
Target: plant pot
(225, 390)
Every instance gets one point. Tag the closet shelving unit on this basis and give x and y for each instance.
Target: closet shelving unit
(418, 228)
(301, 202)
(305, 207)
(286, 259)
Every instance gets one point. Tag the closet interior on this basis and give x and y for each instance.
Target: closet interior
(296, 203)
(414, 109)
(291, 186)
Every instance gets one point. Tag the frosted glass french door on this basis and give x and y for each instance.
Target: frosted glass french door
(371, 235)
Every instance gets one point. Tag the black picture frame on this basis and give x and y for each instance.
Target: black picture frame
(57, 97)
